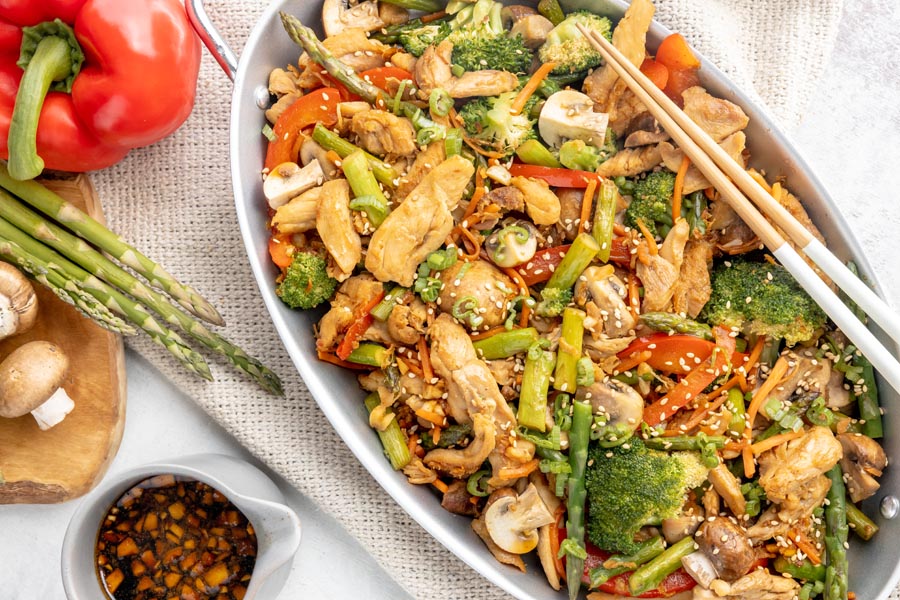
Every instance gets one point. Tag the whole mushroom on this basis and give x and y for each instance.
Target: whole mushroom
(31, 380)
(18, 302)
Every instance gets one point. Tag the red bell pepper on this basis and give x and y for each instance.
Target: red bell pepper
(319, 106)
(556, 177)
(97, 78)
(540, 268)
(675, 354)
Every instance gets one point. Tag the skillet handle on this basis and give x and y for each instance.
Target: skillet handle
(211, 38)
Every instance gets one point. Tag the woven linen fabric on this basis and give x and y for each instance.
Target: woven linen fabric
(174, 201)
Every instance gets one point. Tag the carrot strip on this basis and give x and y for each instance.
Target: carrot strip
(329, 357)
(427, 371)
(720, 398)
(778, 371)
(440, 485)
(554, 541)
(411, 366)
(776, 440)
(710, 193)
(747, 367)
(523, 291)
(632, 360)
(587, 203)
(476, 195)
(634, 296)
(521, 471)
(805, 545)
(679, 186)
(486, 334)
(749, 461)
(530, 87)
(413, 444)
(436, 434)
(651, 241)
(619, 229)
(431, 416)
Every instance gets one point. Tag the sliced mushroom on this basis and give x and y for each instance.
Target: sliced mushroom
(602, 294)
(864, 460)
(729, 488)
(619, 402)
(533, 29)
(700, 568)
(513, 521)
(645, 130)
(547, 532)
(338, 15)
(686, 523)
(457, 500)
(311, 151)
(726, 546)
(569, 115)
(31, 380)
(513, 245)
(288, 180)
(18, 302)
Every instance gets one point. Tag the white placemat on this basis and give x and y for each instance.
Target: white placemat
(174, 200)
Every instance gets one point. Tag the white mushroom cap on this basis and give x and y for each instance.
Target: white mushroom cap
(337, 15)
(18, 302)
(288, 180)
(512, 522)
(31, 376)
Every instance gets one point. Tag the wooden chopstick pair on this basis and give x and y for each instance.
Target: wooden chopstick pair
(727, 176)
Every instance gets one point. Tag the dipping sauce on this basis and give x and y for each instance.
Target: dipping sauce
(175, 537)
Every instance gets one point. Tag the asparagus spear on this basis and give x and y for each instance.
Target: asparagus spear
(95, 233)
(306, 37)
(329, 140)
(570, 342)
(428, 6)
(685, 442)
(99, 266)
(650, 575)
(70, 293)
(836, 531)
(669, 322)
(860, 523)
(535, 383)
(579, 438)
(393, 439)
(576, 260)
(506, 343)
(619, 563)
(15, 244)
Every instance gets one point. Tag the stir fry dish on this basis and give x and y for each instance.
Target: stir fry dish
(561, 326)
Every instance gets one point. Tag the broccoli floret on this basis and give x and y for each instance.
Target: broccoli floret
(651, 201)
(569, 49)
(503, 52)
(578, 155)
(631, 486)
(488, 121)
(553, 301)
(306, 283)
(763, 299)
(417, 39)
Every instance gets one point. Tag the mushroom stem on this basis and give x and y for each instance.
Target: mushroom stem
(54, 410)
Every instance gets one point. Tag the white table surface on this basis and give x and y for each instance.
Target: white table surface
(851, 138)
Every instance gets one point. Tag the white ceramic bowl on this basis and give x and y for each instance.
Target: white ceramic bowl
(277, 527)
(874, 566)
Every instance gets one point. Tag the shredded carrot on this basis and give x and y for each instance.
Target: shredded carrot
(733, 447)
(476, 195)
(757, 176)
(440, 485)
(776, 440)
(632, 360)
(749, 461)
(720, 397)
(777, 190)
(634, 296)
(486, 334)
(472, 243)
(619, 229)
(330, 357)
(412, 443)
(431, 416)
(651, 240)
(411, 366)
(587, 203)
(554, 541)
(805, 545)
(747, 367)
(710, 193)
(523, 470)
(436, 434)
(523, 291)
(433, 16)
(427, 371)
(679, 186)
(474, 145)
(760, 395)
(530, 87)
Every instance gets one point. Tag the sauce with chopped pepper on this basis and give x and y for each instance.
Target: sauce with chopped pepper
(171, 536)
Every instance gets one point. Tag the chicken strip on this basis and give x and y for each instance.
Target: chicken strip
(335, 227)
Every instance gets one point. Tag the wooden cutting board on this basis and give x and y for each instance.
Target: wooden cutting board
(68, 460)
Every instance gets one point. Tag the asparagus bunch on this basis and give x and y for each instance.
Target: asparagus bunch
(52, 205)
(103, 290)
(22, 249)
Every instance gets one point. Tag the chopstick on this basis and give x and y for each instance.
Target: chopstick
(726, 176)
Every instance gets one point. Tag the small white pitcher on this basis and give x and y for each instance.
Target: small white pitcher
(277, 526)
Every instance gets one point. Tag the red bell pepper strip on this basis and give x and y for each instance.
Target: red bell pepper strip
(694, 382)
(556, 177)
(99, 77)
(541, 266)
(378, 77)
(362, 320)
(319, 106)
(676, 354)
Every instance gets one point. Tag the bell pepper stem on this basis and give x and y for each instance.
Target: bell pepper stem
(51, 62)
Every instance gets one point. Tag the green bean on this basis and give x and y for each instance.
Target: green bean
(570, 341)
(532, 411)
(604, 218)
(576, 260)
(579, 438)
(506, 343)
(392, 438)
